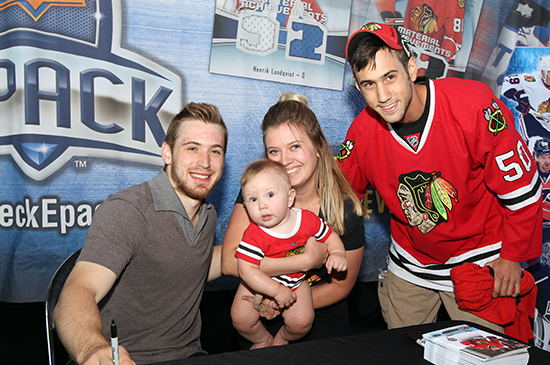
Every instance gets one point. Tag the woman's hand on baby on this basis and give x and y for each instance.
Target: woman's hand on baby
(315, 254)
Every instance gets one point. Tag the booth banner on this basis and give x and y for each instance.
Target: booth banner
(289, 41)
(88, 88)
(440, 33)
(527, 24)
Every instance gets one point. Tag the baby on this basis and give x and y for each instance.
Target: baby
(277, 230)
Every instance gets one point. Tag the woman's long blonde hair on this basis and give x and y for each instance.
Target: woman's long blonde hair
(332, 186)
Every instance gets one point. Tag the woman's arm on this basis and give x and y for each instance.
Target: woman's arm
(314, 255)
(340, 283)
(238, 223)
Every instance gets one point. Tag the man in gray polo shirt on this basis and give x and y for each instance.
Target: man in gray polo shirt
(148, 253)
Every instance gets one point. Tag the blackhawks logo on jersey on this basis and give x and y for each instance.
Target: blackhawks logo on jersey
(426, 199)
(494, 116)
(424, 19)
(345, 150)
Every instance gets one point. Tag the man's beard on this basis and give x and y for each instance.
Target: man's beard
(197, 193)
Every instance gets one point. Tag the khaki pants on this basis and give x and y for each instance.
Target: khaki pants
(405, 304)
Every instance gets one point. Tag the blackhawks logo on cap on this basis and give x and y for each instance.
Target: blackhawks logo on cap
(372, 27)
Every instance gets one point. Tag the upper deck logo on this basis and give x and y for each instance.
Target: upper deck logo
(68, 89)
(36, 8)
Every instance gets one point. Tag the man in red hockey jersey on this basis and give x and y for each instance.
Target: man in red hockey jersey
(459, 180)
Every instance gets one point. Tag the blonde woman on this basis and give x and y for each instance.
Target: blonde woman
(292, 136)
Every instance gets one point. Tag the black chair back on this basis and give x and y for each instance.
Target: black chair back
(56, 352)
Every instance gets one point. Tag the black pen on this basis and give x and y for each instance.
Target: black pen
(114, 343)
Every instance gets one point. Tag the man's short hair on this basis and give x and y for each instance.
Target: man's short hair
(204, 112)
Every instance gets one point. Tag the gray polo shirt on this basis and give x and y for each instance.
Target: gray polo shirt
(144, 235)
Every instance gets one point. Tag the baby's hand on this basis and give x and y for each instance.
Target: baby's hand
(337, 261)
(285, 297)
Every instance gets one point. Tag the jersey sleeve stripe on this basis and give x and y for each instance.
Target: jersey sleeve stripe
(524, 196)
(250, 251)
(323, 231)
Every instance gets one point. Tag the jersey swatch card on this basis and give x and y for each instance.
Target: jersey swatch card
(288, 41)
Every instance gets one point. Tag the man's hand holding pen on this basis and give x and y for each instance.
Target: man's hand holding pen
(114, 354)
(104, 356)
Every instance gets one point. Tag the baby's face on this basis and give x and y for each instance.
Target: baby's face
(267, 199)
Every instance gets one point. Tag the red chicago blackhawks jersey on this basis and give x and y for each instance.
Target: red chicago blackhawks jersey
(258, 242)
(469, 191)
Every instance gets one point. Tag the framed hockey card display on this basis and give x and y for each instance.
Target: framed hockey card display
(288, 41)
